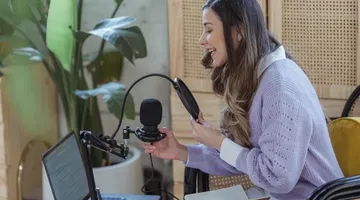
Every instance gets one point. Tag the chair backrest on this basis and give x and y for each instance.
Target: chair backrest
(30, 163)
(345, 139)
(352, 106)
(219, 182)
(198, 181)
(344, 188)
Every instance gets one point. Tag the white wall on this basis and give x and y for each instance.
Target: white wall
(151, 17)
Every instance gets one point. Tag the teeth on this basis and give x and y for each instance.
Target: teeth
(211, 50)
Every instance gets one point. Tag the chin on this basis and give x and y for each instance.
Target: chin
(222, 64)
(217, 63)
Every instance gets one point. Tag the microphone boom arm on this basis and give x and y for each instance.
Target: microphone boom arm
(105, 144)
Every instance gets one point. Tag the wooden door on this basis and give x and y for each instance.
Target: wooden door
(322, 37)
(185, 28)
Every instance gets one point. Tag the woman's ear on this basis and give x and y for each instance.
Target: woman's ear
(238, 33)
(238, 36)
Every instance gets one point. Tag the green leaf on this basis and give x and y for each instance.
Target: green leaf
(118, 1)
(22, 9)
(113, 95)
(5, 28)
(110, 67)
(5, 8)
(8, 44)
(23, 56)
(128, 40)
(18, 10)
(32, 54)
(13, 41)
(59, 37)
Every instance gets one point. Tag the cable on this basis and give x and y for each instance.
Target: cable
(127, 93)
(151, 177)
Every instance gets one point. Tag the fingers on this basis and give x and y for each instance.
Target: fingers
(201, 118)
(193, 123)
(149, 148)
(165, 130)
(149, 151)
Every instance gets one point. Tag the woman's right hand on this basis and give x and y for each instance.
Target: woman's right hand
(167, 148)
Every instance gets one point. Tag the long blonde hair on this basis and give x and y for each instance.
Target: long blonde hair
(237, 80)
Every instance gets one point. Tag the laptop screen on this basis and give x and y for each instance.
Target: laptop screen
(66, 171)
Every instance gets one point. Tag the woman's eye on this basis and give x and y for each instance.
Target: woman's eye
(208, 31)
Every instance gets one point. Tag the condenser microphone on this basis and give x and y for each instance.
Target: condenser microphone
(184, 94)
(150, 118)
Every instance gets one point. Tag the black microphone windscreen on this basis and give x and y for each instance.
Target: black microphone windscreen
(150, 112)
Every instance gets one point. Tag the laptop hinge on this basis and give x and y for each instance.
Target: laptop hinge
(98, 193)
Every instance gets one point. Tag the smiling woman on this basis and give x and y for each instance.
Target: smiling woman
(272, 119)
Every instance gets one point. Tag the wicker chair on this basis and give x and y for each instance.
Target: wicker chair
(197, 181)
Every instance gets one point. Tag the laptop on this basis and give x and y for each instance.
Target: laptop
(71, 178)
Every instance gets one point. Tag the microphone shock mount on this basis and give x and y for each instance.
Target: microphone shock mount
(143, 135)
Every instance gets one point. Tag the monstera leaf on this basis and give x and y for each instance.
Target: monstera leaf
(59, 38)
(116, 31)
(32, 54)
(110, 67)
(23, 56)
(113, 94)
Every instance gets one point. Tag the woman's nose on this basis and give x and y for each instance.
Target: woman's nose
(202, 40)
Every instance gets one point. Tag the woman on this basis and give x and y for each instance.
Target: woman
(273, 128)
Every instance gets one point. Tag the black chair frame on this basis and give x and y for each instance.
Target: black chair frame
(351, 100)
(343, 188)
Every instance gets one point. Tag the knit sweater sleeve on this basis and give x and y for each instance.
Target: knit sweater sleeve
(277, 163)
(208, 160)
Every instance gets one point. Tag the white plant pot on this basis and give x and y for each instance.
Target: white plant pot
(125, 177)
(121, 178)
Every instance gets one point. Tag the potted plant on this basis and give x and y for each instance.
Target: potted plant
(58, 26)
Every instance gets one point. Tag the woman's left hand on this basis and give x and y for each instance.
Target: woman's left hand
(205, 133)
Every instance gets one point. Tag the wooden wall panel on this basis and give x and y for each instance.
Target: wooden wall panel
(3, 175)
(322, 36)
(13, 138)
